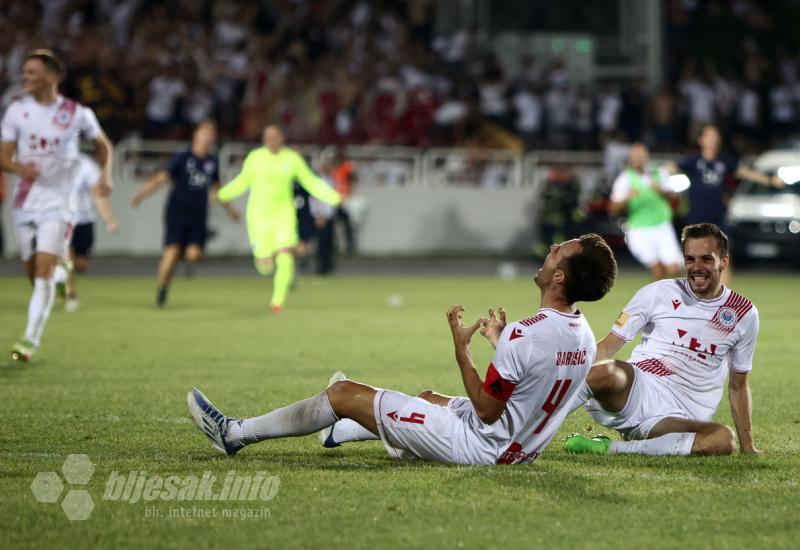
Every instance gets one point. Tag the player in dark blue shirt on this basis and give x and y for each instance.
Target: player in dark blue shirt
(194, 175)
(707, 171)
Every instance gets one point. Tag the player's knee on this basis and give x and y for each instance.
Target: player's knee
(606, 376)
(340, 392)
(718, 440)
(426, 394)
(81, 264)
(725, 443)
(193, 256)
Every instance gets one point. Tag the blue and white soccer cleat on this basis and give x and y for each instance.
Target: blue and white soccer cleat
(211, 422)
(326, 436)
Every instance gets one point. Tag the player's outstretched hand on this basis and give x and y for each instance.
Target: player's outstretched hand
(461, 335)
(493, 326)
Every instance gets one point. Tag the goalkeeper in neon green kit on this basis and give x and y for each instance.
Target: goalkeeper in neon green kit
(268, 173)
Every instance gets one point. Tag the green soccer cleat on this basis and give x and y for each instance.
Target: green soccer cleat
(22, 351)
(599, 444)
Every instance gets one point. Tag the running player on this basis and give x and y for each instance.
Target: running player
(694, 330)
(43, 128)
(83, 201)
(649, 234)
(268, 173)
(194, 175)
(533, 382)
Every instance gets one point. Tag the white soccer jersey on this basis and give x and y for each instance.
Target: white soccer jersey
(688, 341)
(80, 202)
(48, 136)
(538, 367)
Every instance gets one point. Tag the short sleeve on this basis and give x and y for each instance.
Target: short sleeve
(9, 128)
(621, 188)
(740, 358)
(90, 128)
(663, 180)
(635, 315)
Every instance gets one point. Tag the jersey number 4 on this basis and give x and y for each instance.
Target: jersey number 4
(553, 401)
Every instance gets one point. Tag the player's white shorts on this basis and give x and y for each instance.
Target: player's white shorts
(649, 402)
(41, 232)
(411, 427)
(652, 245)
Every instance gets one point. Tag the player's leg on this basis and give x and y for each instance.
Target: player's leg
(72, 304)
(166, 268)
(284, 275)
(669, 250)
(49, 238)
(344, 399)
(710, 438)
(193, 254)
(435, 398)
(195, 242)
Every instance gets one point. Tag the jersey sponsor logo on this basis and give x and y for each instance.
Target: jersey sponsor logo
(727, 317)
(703, 350)
(622, 319)
(514, 453)
(533, 320)
(516, 333)
(676, 304)
(414, 418)
(570, 358)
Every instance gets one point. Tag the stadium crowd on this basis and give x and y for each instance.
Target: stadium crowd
(376, 72)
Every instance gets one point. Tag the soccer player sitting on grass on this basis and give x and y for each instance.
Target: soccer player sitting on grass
(533, 382)
(694, 330)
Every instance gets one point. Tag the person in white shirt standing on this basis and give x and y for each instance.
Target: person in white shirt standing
(40, 136)
(534, 381)
(695, 333)
(83, 201)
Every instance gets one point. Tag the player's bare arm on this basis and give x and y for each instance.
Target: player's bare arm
(743, 172)
(742, 410)
(608, 347)
(154, 182)
(487, 407)
(25, 171)
(493, 325)
(104, 152)
(105, 211)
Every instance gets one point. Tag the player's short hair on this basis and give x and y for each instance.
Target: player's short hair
(48, 58)
(206, 122)
(700, 230)
(591, 272)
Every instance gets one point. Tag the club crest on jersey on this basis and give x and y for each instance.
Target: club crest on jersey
(727, 317)
(64, 114)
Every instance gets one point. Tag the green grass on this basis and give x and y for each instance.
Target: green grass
(111, 382)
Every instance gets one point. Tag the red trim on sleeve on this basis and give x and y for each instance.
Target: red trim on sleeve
(496, 386)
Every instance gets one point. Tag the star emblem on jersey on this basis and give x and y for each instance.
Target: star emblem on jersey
(676, 304)
(516, 333)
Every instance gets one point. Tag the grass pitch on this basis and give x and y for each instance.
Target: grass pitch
(111, 382)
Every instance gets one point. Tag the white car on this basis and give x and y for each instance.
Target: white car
(764, 222)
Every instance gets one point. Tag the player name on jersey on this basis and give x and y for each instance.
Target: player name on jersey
(570, 358)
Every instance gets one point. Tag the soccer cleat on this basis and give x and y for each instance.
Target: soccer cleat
(326, 436)
(72, 305)
(581, 444)
(22, 351)
(161, 297)
(277, 309)
(211, 422)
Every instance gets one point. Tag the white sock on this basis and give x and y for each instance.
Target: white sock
(349, 430)
(301, 418)
(39, 309)
(60, 274)
(669, 444)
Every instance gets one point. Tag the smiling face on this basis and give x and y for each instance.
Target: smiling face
(704, 266)
(36, 77)
(550, 269)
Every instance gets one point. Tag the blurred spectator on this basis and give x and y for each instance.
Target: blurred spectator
(560, 215)
(343, 176)
(528, 115)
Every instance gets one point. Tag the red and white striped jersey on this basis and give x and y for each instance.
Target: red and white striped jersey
(690, 342)
(49, 137)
